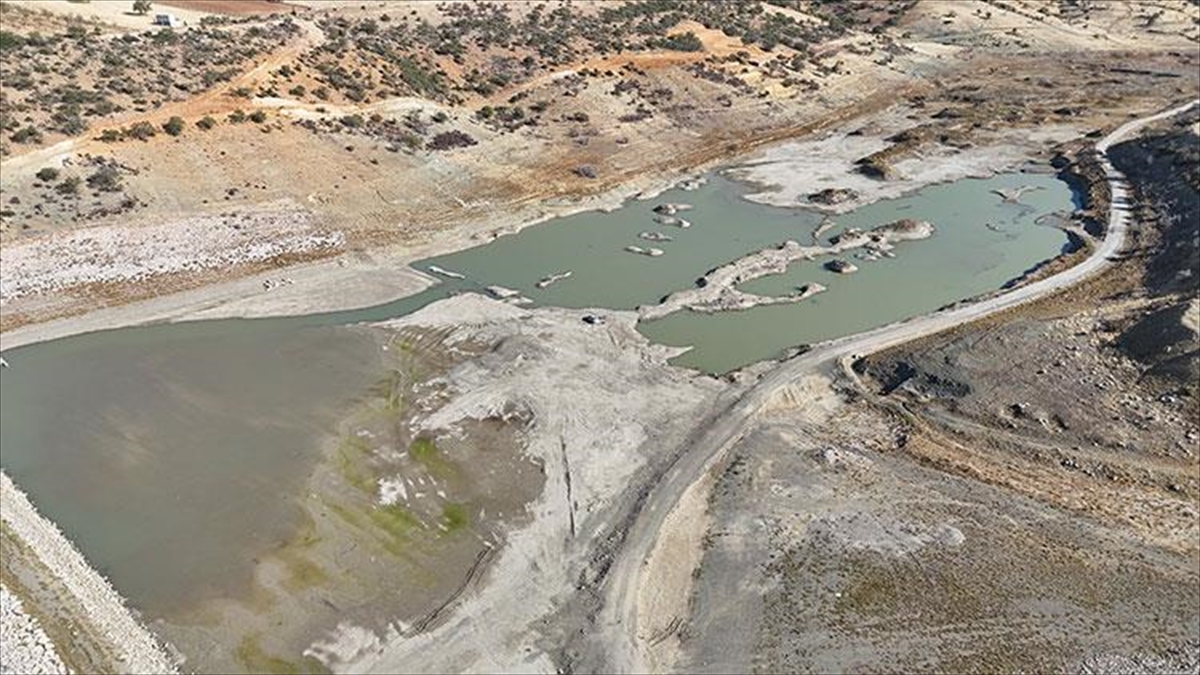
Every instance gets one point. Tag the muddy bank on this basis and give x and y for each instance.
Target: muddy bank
(395, 521)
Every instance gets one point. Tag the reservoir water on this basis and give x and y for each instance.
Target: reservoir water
(168, 452)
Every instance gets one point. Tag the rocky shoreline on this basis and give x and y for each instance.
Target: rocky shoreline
(24, 646)
(135, 647)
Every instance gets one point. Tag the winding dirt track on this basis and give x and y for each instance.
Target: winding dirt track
(617, 621)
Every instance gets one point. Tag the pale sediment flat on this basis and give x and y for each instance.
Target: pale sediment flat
(123, 254)
(136, 647)
(787, 173)
(603, 402)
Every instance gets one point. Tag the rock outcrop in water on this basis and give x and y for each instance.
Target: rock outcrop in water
(553, 279)
(716, 291)
(841, 266)
(654, 236)
(831, 196)
(672, 221)
(671, 209)
(502, 292)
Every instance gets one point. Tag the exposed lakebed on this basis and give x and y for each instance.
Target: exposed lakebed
(178, 456)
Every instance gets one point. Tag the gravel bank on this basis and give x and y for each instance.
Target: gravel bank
(136, 647)
(120, 254)
(24, 646)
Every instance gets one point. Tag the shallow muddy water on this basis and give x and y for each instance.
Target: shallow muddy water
(171, 457)
(172, 454)
(964, 257)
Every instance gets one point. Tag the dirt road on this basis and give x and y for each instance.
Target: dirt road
(617, 622)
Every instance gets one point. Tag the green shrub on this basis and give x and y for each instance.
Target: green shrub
(10, 40)
(27, 135)
(141, 131)
(258, 117)
(206, 123)
(69, 186)
(105, 179)
(174, 126)
(47, 174)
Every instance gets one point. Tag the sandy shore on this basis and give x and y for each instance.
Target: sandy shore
(137, 650)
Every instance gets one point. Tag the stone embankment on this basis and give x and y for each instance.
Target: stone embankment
(24, 646)
(717, 290)
(131, 644)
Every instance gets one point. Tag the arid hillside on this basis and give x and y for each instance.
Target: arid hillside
(396, 129)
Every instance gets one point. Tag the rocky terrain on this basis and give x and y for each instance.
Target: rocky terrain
(1126, 343)
(27, 648)
(1015, 494)
(836, 545)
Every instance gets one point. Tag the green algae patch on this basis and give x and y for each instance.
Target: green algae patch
(425, 452)
(250, 654)
(352, 454)
(392, 390)
(400, 525)
(345, 514)
(455, 516)
(302, 573)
